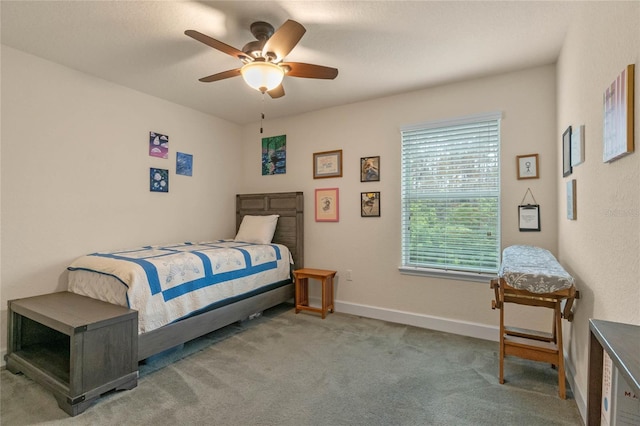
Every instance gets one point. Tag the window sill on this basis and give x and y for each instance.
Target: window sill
(450, 275)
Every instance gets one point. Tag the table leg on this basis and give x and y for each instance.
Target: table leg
(302, 293)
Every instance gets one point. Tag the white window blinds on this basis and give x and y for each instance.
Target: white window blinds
(451, 195)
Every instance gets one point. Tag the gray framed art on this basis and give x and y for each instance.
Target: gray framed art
(566, 153)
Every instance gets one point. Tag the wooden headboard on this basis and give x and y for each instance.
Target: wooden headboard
(290, 207)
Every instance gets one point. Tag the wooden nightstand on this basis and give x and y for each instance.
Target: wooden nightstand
(77, 347)
(302, 289)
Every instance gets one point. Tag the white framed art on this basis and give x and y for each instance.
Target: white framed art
(527, 166)
(577, 146)
(571, 200)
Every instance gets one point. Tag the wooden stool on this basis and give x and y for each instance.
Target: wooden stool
(302, 289)
(532, 344)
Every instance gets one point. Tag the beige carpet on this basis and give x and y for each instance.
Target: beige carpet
(287, 369)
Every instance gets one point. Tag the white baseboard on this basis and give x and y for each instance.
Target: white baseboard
(578, 396)
(464, 328)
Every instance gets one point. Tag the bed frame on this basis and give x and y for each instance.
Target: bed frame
(289, 232)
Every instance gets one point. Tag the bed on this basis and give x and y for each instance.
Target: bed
(532, 276)
(185, 290)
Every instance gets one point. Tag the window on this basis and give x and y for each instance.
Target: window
(451, 197)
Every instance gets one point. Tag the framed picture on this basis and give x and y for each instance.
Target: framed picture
(370, 169)
(577, 146)
(184, 164)
(327, 208)
(572, 213)
(529, 217)
(618, 116)
(370, 204)
(566, 152)
(327, 164)
(527, 166)
(158, 180)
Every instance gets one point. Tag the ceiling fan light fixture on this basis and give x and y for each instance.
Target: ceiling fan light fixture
(262, 76)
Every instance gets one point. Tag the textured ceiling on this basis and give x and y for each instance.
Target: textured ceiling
(380, 47)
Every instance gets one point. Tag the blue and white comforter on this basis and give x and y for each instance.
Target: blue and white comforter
(166, 283)
(533, 269)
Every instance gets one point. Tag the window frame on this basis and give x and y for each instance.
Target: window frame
(446, 272)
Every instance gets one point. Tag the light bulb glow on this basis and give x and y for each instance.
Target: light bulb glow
(262, 76)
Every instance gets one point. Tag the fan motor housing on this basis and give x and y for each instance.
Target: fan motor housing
(262, 30)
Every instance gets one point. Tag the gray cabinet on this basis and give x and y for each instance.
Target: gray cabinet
(622, 344)
(77, 347)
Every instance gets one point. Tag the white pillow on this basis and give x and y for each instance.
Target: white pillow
(257, 229)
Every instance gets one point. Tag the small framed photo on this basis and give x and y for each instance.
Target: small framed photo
(566, 153)
(572, 213)
(326, 203)
(529, 217)
(327, 164)
(370, 169)
(370, 204)
(527, 166)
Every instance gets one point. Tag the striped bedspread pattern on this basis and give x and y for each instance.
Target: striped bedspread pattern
(168, 282)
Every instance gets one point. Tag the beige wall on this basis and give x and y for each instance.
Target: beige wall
(602, 247)
(370, 247)
(75, 173)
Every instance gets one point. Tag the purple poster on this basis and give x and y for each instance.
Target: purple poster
(158, 145)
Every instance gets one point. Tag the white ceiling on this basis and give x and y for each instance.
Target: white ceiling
(380, 47)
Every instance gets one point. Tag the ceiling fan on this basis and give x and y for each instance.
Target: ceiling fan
(263, 68)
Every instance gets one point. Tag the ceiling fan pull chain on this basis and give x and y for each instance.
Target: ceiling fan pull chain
(262, 113)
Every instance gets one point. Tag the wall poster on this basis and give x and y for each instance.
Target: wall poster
(159, 180)
(274, 155)
(158, 145)
(618, 116)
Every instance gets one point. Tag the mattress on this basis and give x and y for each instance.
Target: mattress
(533, 269)
(166, 283)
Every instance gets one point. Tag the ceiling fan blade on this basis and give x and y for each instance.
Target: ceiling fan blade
(216, 44)
(278, 92)
(299, 69)
(283, 40)
(221, 75)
